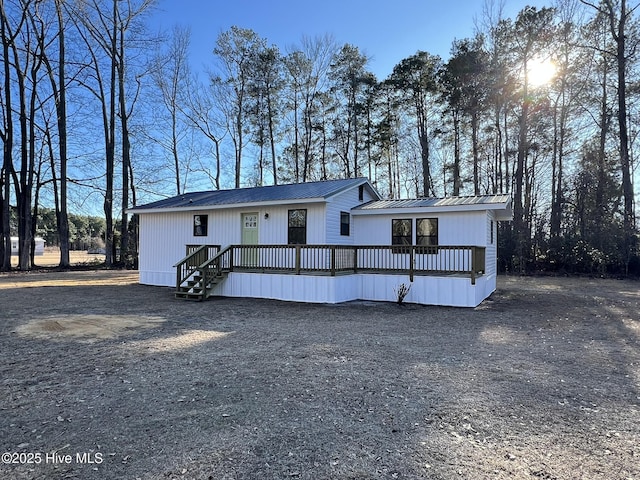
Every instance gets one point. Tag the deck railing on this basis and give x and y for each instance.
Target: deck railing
(208, 261)
(336, 259)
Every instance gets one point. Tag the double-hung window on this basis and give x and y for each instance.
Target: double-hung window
(401, 233)
(345, 220)
(297, 231)
(200, 225)
(427, 231)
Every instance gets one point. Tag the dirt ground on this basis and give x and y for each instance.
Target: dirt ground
(102, 378)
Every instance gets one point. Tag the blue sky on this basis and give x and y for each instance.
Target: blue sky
(387, 31)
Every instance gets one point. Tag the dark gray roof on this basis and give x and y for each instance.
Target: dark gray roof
(486, 200)
(274, 193)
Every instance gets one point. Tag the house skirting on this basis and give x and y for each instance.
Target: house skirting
(449, 290)
(456, 291)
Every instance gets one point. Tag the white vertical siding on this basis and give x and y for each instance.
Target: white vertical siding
(343, 202)
(463, 228)
(163, 236)
(491, 258)
(427, 290)
(162, 243)
(274, 230)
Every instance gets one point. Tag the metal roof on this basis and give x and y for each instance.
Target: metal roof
(482, 200)
(500, 204)
(269, 194)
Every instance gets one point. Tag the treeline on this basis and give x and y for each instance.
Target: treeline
(93, 103)
(86, 232)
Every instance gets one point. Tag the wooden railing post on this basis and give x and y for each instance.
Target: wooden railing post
(333, 260)
(355, 259)
(473, 265)
(298, 250)
(411, 258)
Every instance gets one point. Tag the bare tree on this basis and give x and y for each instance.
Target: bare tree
(416, 78)
(8, 35)
(531, 36)
(26, 60)
(169, 71)
(58, 82)
(265, 89)
(201, 107)
(236, 50)
(305, 69)
(103, 27)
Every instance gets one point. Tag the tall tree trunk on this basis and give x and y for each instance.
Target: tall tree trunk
(272, 141)
(174, 152)
(605, 121)
(518, 207)
(7, 144)
(110, 142)
(61, 110)
(627, 185)
(126, 151)
(296, 148)
(240, 137)
(457, 181)
(559, 138)
(23, 193)
(423, 134)
(475, 152)
(498, 186)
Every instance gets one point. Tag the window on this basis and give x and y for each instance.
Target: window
(361, 193)
(427, 231)
(401, 232)
(491, 232)
(297, 233)
(200, 224)
(345, 220)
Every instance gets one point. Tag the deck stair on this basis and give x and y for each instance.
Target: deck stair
(200, 271)
(194, 288)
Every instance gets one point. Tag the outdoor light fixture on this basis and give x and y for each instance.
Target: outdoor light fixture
(266, 215)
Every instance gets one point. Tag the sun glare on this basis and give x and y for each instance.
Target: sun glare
(540, 72)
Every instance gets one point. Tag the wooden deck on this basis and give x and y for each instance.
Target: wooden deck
(203, 266)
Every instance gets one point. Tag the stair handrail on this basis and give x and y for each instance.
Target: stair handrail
(182, 270)
(189, 264)
(219, 256)
(183, 260)
(215, 266)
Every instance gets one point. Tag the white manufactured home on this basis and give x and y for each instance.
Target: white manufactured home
(39, 246)
(323, 242)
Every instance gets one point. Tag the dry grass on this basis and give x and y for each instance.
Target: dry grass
(51, 258)
(542, 381)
